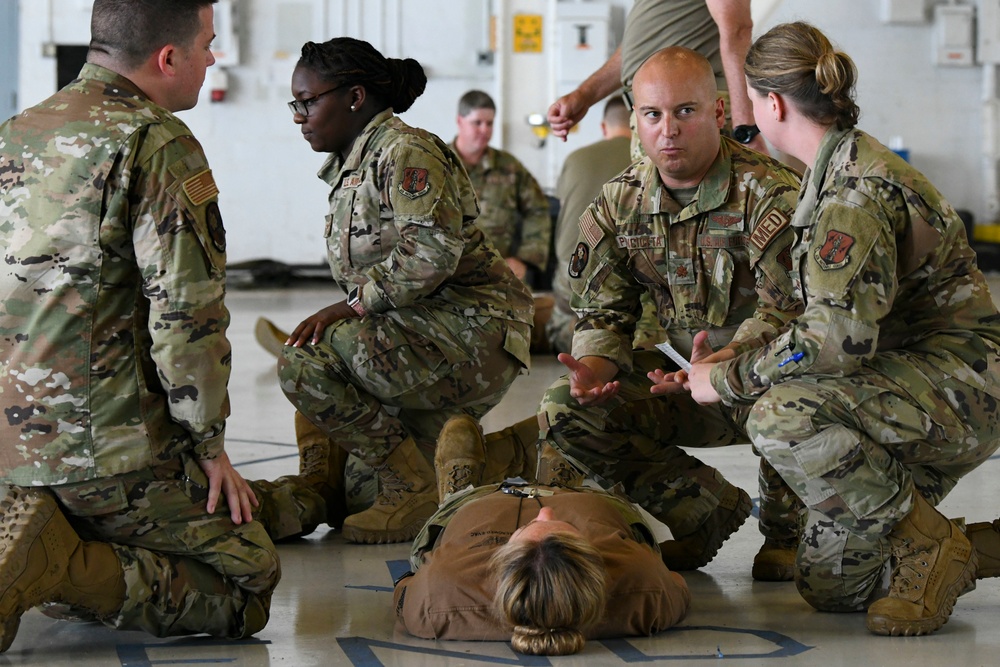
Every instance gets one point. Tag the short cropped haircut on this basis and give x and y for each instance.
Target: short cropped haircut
(475, 99)
(129, 31)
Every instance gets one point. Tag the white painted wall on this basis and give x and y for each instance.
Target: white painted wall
(936, 110)
(274, 205)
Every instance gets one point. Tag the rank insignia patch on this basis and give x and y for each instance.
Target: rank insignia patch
(836, 250)
(414, 183)
(578, 262)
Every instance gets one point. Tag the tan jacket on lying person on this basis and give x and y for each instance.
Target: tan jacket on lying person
(617, 571)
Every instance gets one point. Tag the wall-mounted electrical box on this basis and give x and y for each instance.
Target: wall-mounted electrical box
(226, 45)
(988, 32)
(903, 11)
(582, 39)
(953, 35)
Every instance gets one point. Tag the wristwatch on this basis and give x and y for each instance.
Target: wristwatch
(354, 301)
(745, 133)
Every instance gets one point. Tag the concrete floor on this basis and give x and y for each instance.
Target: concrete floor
(333, 606)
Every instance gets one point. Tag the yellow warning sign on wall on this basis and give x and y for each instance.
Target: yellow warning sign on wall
(527, 33)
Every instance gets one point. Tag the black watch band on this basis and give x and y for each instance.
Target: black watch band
(745, 133)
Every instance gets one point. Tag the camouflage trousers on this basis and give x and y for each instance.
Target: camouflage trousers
(185, 571)
(635, 440)
(855, 450)
(376, 380)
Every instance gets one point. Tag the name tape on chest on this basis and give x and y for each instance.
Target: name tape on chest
(769, 226)
(201, 187)
(641, 242)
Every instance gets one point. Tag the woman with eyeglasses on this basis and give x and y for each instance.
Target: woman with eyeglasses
(883, 393)
(543, 567)
(434, 325)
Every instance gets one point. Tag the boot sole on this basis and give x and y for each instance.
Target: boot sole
(361, 536)
(31, 515)
(737, 518)
(894, 627)
(358, 535)
(772, 572)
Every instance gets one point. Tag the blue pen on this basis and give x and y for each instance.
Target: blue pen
(795, 357)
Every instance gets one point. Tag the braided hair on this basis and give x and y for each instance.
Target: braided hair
(393, 82)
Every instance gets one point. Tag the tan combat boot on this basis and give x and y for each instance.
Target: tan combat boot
(544, 303)
(269, 336)
(690, 552)
(463, 457)
(934, 563)
(985, 538)
(293, 506)
(555, 470)
(43, 560)
(460, 456)
(775, 561)
(782, 521)
(512, 452)
(407, 497)
(321, 466)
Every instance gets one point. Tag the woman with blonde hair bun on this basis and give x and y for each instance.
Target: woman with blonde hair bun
(882, 394)
(544, 567)
(550, 589)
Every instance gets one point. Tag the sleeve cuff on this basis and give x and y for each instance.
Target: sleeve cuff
(211, 447)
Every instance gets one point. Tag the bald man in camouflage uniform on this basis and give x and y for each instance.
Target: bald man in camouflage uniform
(113, 352)
(706, 253)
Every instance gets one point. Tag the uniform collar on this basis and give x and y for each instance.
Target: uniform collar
(713, 190)
(831, 140)
(94, 72)
(334, 166)
(812, 179)
(486, 162)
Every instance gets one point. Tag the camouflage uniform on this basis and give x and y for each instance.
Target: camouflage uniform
(584, 173)
(447, 324)
(888, 381)
(705, 266)
(514, 211)
(114, 360)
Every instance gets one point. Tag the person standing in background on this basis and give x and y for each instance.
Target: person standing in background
(584, 172)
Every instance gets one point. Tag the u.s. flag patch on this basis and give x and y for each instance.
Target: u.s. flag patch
(201, 187)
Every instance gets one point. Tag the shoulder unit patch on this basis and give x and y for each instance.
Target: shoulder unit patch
(415, 183)
(835, 251)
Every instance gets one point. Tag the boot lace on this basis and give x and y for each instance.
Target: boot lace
(913, 565)
(392, 486)
(459, 477)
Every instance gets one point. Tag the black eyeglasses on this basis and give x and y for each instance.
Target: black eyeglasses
(302, 107)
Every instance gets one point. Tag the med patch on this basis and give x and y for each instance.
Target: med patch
(772, 224)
